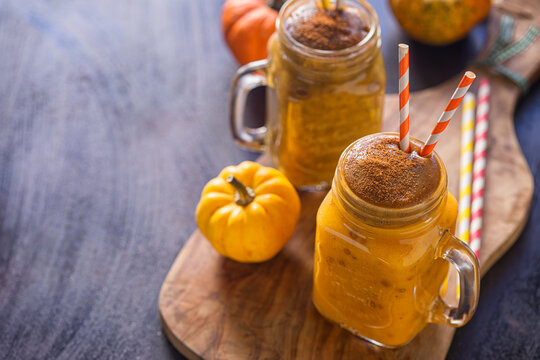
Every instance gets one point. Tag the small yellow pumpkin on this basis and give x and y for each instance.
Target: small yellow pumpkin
(248, 212)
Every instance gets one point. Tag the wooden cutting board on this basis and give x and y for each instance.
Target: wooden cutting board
(215, 308)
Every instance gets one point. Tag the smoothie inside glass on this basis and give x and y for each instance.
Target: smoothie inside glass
(384, 244)
(325, 83)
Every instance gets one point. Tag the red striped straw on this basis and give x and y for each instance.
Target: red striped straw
(403, 51)
(447, 114)
(479, 166)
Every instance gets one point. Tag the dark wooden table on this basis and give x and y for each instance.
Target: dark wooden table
(112, 118)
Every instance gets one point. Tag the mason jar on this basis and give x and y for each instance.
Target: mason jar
(318, 101)
(378, 270)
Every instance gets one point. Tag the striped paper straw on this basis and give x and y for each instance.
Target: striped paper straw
(448, 112)
(403, 51)
(465, 168)
(325, 4)
(479, 167)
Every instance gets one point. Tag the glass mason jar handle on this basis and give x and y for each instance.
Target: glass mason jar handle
(243, 82)
(451, 249)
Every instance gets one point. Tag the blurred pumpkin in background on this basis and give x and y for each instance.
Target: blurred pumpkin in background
(439, 22)
(247, 26)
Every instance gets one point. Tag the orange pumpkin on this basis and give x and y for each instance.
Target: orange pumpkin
(439, 22)
(247, 26)
(248, 212)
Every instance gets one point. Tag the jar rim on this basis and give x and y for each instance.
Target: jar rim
(373, 33)
(365, 209)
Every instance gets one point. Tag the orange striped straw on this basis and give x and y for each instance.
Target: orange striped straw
(448, 112)
(403, 51)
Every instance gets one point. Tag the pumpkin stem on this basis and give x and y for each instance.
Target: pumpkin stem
(243, 194)
(275, 4)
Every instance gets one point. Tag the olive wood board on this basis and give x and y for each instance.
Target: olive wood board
(214, 308)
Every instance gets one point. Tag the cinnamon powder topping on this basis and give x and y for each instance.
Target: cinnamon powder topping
(379, 172)
(328, 29)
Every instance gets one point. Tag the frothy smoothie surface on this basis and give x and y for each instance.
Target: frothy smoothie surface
(327, 29)
(380, 173)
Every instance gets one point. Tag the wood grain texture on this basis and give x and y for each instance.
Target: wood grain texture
(105, 133)
(216, 308)
(112, 118)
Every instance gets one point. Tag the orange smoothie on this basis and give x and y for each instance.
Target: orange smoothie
(375, 269)
(326, 82)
